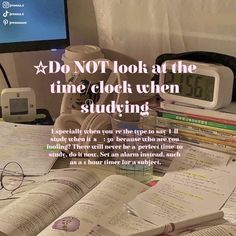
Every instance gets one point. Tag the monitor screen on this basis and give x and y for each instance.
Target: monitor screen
(33, 25)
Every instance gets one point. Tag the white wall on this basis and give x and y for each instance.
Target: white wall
(145, 29)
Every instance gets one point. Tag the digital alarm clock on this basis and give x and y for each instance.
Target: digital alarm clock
(18, 104)
(210, 86)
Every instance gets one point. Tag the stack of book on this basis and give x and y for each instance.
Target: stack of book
(212, 129)
(206, 128)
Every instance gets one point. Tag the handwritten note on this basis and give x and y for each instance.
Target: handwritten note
(198, 182)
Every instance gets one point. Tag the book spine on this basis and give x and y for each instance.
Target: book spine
(202, 134)
(198, 111)
(214, 119)
(182, 131)
(216, 147)
(201, 117)
(222, 133)
(208, 140)
(198, 121)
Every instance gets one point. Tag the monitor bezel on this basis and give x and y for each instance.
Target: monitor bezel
(39, 45)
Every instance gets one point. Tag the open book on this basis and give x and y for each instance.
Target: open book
(73, 202)
(75, 189)
(196, 186)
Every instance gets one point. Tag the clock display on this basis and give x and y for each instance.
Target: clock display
(19, 106)
(192, 85)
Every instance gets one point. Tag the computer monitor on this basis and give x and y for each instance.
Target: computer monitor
(29, 25)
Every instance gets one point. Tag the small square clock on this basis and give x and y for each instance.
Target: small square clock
(18, 104)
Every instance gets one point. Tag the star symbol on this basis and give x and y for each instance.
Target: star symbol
(41, 68)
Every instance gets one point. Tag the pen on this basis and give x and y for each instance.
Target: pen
(170, 227)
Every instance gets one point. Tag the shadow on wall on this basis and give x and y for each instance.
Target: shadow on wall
(82, 21)
(83, 30)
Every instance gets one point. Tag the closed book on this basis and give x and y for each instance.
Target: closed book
(169, 123)
(189, 119)
(227, 114)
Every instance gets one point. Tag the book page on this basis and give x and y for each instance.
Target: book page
(39, 207)
(123, 223)
(198, 227)
(26, 144)
(197, 183)
(29, 183)
(229, 209)
(106, 203)
(220, 230)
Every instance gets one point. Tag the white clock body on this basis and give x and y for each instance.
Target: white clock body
(18, 104)
(210, 86)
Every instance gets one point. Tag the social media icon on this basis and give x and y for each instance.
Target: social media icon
(5, 4)
(5, 22)
(5, 14)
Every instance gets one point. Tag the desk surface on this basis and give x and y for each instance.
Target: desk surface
(43, 118)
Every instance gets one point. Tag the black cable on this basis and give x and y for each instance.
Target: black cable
(5, 76)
